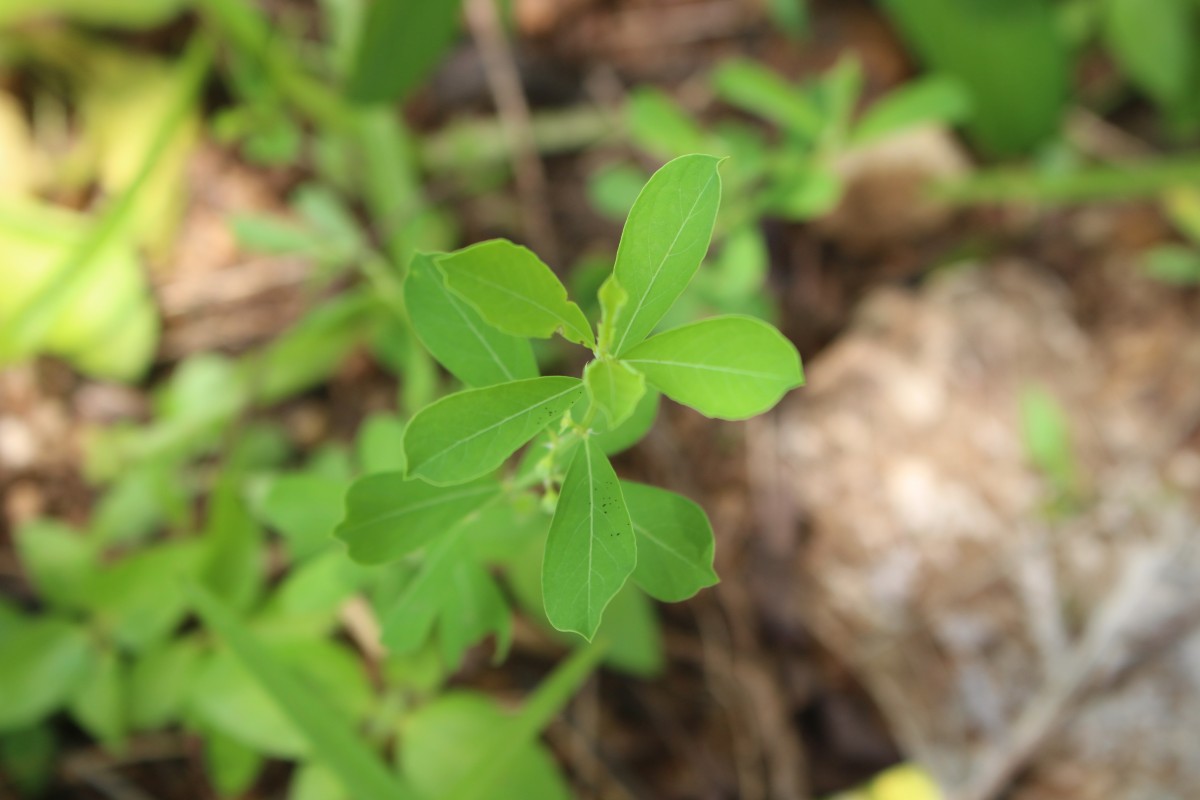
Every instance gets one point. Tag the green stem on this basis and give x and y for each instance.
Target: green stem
(250, 31)
(1116, 182)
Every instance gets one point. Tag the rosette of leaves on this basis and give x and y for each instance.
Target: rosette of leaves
(476, 311)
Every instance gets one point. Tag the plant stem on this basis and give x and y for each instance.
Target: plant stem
(1115, 182)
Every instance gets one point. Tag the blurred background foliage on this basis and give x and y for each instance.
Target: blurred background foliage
(344, 109)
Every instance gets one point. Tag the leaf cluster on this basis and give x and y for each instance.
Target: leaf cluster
(476, 310)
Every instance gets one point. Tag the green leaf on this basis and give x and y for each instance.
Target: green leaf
(475, 352)
(664, 241)
(1047, 436)
(935, 98)
(159, 682)
(408, 623)
(315, 590)
(469, 434)
(232, 765)
(99, 701)
(315, 782)
(475, 607)
(140, 600)
(41, 662)
(632, 631)
(1155, 43)
(801, 190)
(658, 125)
(27, 759)
(1174, 265)
(1017, 101)
(401, 41)
(551, 696)
(514, 291)
(233, 566)
(305, 508)
(454, 733)
(590, 551)
(380, 444)
(675, 543)
(314, 348)
(614, 388)
(389, 516)
(728, 367)
(57, 559)
(333, 740)
(756, 89)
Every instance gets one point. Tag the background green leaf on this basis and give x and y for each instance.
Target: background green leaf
(1017, 100)
(333, 740)
(41, 662)
(401, 40)
(389, 516)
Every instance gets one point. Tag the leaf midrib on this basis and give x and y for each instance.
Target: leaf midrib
(709, 367)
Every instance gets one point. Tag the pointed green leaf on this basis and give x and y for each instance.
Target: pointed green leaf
(401, 41)
(469, 434)
(449, 736)
(754, 88)
(664, 241)
(674, 541)
(475, 607)
(305, 507)
(57, 559)
(100, 699)
(158, 683)
(729, 367)
(933, 99)
(515, 291)
(332, 738)
(380, 444)
(409, 622)
(475, 352)
(522, 729)
(590, 550)
(40, 663)
(615, 388)
(389, 516)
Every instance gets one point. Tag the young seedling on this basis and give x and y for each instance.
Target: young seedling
(475, 310)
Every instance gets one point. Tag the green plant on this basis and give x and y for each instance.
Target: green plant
(792, 176)
(475, 310)
(1017, 102)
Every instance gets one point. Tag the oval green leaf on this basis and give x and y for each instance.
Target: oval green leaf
(389, 516)
(469, 434)
(514, 291)
(590, 550)
(664, 241)
(729, 367)
(474, 352)
(674, 541)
